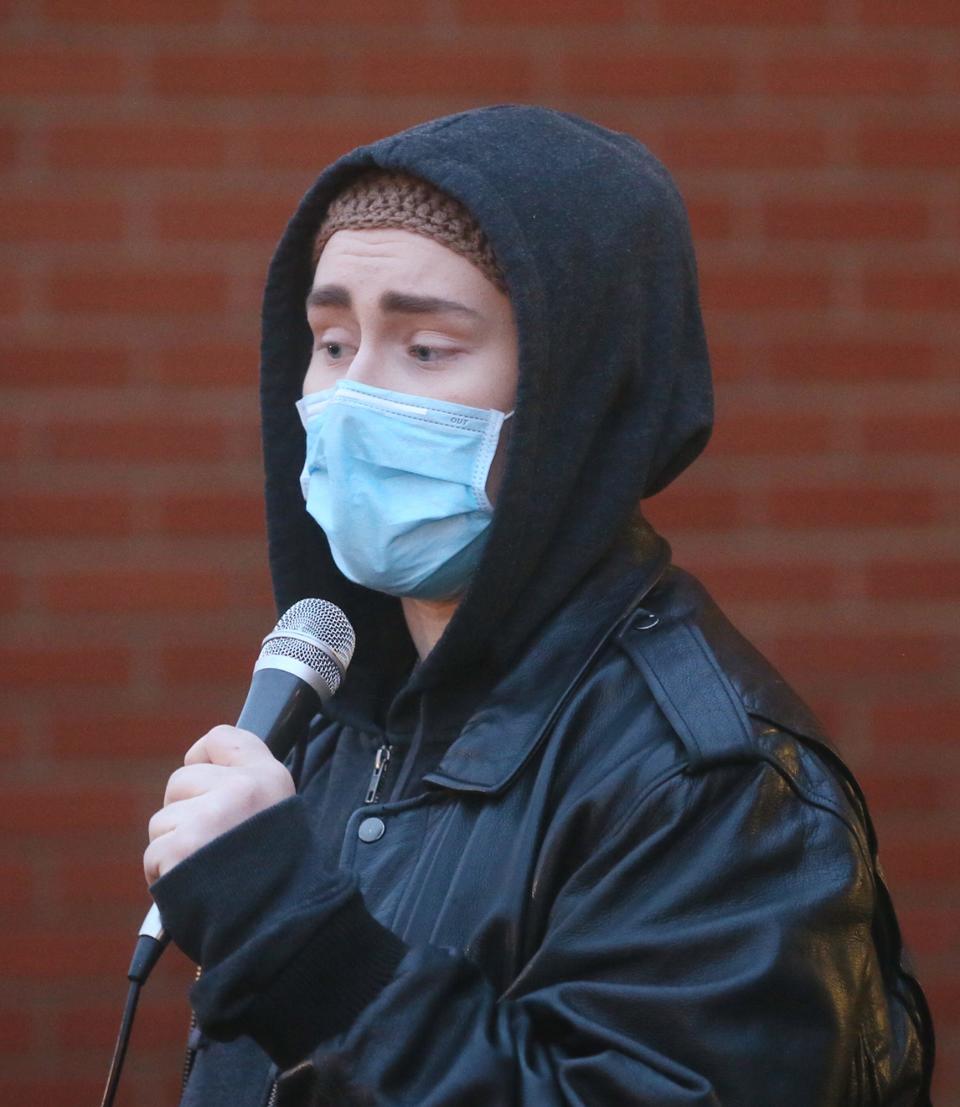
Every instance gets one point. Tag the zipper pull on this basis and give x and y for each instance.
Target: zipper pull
(379, 768)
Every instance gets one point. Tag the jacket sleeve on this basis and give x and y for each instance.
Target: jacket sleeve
(713, 949)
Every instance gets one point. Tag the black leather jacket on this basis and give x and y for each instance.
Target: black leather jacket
(639, 876)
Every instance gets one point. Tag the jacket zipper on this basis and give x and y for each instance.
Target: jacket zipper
(380, 763)
(191, 1053)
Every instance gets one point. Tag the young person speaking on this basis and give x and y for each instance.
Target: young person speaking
(563, 836)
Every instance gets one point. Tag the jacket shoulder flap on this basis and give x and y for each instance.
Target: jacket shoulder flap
(716, 690)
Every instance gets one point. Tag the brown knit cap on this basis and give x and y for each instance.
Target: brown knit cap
(379, 198)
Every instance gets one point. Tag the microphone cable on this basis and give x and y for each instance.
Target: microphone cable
(120, 1049)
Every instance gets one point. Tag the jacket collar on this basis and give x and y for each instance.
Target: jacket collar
(515, 716)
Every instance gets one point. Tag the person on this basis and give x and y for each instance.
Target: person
(563, 836)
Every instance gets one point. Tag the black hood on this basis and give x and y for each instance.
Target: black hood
(614, 397)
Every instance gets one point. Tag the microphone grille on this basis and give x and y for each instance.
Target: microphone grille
(318, 636)
(307, 653)
(321, 620)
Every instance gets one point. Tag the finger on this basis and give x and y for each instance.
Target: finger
(168, 818)
(194, 780)
(157, 858)
(227, 745)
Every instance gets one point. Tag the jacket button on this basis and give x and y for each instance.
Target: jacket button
(371, 830)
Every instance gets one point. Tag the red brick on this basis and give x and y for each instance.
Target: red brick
(11, 737)
(932, 931)
(849, 359)
(860, 71)
(127, 12)
(60, 219)
(849, 505)
(9, 142)
(693, 509)
(138, 292)
(211, 363)
(432, 70)
(11, 294)
(202, 664)
(16, 886)
(46, 667)
(9, 592)
(775, 13)
(769, 583)
(11, 435)
(770, 433)
(52, 1090)
(15, 1031)
(910, 146)
(43, 515)
(850, 654)
(901, 793)
(62, 956)
(50, 811)
(905, 724)
(138, 590)
(631, 73)
(544, 13)
(245, 73)
(103, 882)
(922, 433)
(921, 860)
(137, 440)
(743, 145)
(310, 146)
(31, 366)
(844, 220)
(731, 361)
(918, 291)
(895, 13)
(201, 513)
(710, 218)
(122, 735)
(224, 219)
(49, 71)
(927, 579)
(94, 1027)
(145, 145)
(943, 993)
(371, 13)
(760, 288)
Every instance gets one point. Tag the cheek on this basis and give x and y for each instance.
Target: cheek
(319, 376)
(503, 382)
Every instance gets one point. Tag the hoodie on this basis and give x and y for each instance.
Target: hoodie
(614, 397)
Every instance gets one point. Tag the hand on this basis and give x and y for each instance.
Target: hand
(227, 776)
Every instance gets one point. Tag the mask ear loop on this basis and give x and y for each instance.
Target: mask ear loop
(481, 469)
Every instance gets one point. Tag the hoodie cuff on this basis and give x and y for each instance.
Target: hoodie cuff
(290, 953)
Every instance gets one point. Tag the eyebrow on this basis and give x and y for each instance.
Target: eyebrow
(403, 303)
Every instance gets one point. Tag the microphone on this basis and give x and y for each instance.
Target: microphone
(301, 664)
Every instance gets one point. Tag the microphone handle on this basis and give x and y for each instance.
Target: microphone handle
(278, 709)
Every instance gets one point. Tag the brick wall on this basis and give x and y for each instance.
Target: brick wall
(150, 153)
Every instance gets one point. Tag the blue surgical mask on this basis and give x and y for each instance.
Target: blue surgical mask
(398, 484)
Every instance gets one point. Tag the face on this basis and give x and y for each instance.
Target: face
(393, 309)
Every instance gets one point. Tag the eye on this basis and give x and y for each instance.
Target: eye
(427, 354)
(334, 350)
